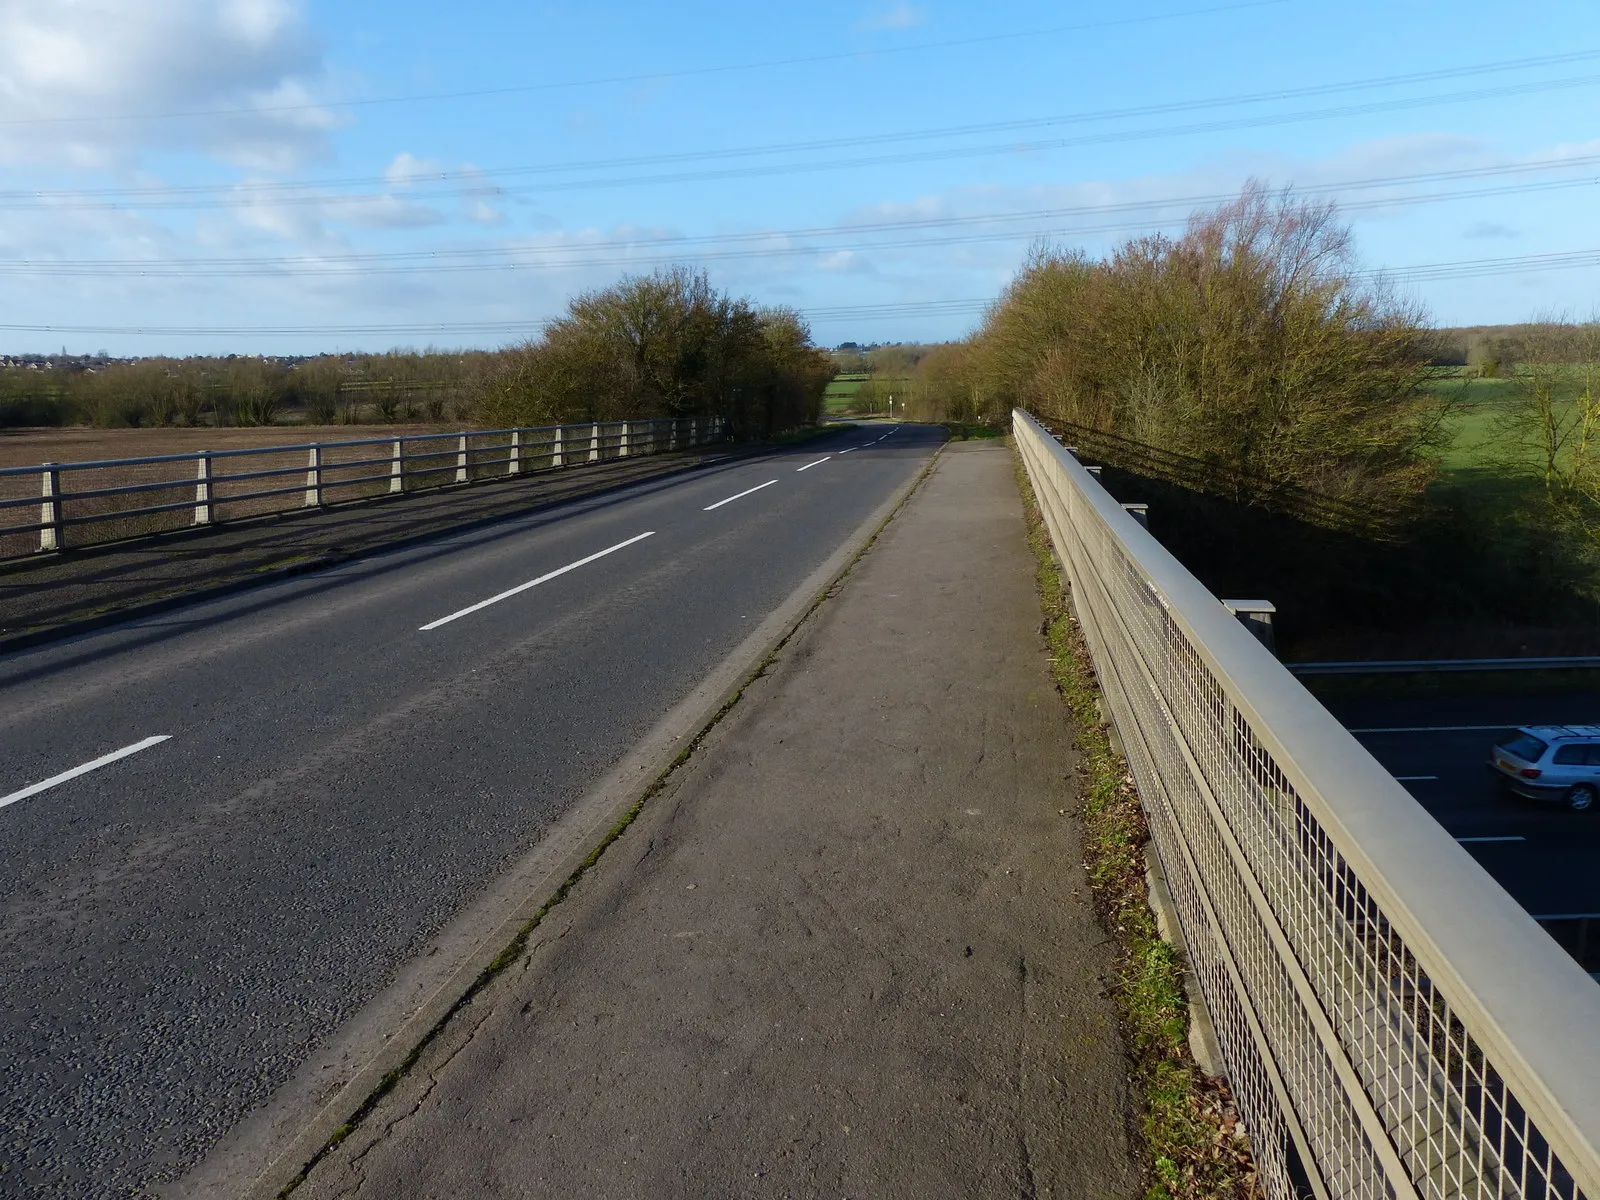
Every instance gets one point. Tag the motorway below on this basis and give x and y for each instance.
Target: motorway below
(1544, 855)
(348, 758)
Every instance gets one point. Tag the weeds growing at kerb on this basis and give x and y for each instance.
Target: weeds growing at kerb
(1193, 1146)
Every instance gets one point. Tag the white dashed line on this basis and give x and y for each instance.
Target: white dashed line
(532, 583)
(102, 761)
(740, 496)
(818, 463)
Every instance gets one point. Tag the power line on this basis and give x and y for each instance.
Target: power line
(649, 76)
(779, 243)
(1423, 272)
(838, 312)
(857, 163)
(291, 192)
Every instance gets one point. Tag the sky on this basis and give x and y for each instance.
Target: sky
(274, 176)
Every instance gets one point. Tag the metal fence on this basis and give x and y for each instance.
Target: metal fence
(1393, 1024)
(82, 503)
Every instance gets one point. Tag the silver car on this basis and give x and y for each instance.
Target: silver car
(1551, 762)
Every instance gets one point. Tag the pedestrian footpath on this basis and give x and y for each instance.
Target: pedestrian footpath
(849, 951)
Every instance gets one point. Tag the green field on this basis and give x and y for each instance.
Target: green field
(1475, 441)
(841, 393)
(844, 392)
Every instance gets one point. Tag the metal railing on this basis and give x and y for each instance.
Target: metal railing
(84, 503)
(1393, 1024)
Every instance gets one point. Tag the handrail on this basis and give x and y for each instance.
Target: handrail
(414, 461)
(1390, 1017)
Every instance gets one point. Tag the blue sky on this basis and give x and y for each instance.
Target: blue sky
(271, 176)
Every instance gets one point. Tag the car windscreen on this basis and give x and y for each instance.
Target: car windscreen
(1524, 746)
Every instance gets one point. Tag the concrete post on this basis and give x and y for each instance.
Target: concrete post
(54, 535)
(622, 443)
(202, 489)
(1139, 512)
(514, 467)
(692, 439)
(397, 479)
(314, 478)
(594, 444)
(1256, 616)
(555, 449)
(461, 460)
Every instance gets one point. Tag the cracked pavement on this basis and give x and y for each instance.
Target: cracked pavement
(847, 951)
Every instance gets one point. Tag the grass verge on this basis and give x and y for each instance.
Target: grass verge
(960, 431)
(1194, 1148)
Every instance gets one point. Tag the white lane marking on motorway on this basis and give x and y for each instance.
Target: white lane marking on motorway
(1507, 838)
(818, 463)
(740, 496)
(103, 760)
(1436, 729)
(1413, 778)
(532, 583)
(847, 449)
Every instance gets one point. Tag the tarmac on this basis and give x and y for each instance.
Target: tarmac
(847, 951)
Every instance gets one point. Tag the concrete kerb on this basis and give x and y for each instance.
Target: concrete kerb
(261, 1172)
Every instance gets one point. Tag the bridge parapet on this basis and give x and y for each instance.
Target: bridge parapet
(1393, 1024)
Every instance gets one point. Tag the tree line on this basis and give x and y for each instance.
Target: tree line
(1250, 345)
(666, 344)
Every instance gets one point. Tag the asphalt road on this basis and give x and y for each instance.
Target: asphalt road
(350, 756)
(1546, 857)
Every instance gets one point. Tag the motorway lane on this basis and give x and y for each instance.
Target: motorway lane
(1546, 857)
(181, 927)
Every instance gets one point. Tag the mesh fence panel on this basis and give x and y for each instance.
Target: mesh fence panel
(1356, 1075)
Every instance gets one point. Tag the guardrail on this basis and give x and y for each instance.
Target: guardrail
(1393, 1024)
(83, 503)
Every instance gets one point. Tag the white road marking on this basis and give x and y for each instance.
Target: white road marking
(818, 463)
(740, 496)
(847, 449)
(1437, 729)
(532, 583)
(103, 760)
(1508, 838)
(1413, 778)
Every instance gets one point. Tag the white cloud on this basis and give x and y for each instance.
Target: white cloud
(407, 168)
(901, 15)
(74, 72)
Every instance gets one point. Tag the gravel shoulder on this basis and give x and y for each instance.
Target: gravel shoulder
(849, 950)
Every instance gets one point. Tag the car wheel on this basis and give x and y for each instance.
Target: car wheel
(1581, 798)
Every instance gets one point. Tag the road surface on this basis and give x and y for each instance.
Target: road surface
(1542, 854)
(345, 760)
